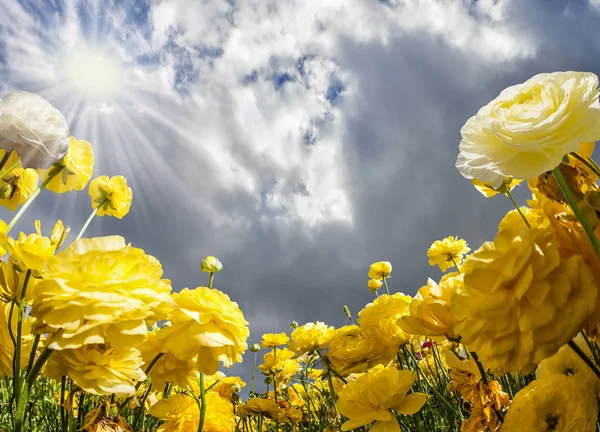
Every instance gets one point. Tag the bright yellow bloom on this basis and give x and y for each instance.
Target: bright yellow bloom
(372, 396)
(513, 219)
(521, 301)
(430, 313)
(225, 386)
(259, 406)
(353, 349)
(557, 403)
(77, 168)
(447, 253)
(374, 284)
(99, 369)
(100, 291)
(271, 340)
(310, 336)
(58, 234)
(281, 364)
(111, 196)
(567, 362)
(16, 186)
(7, 348)
(12, 281)
(208, 324)
(380, 270)
(529, 127)
(488, 191)
(382, 316)
(210, 264)
(182, 414)
(32, 250)
(97, 421)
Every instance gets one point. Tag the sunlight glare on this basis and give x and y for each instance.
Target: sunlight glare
(92, 73)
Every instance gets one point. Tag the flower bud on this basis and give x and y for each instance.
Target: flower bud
(5, 191)
(374, 284)
(347, 312)
(255, 348)
(210, 264)
(294, 324)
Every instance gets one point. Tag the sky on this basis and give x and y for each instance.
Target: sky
(297, 141)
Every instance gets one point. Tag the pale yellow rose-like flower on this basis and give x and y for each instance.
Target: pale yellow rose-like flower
(206, 323)
(223, 385)
(16, 186)
(100, 291)
(272, 340)
(32, 127)
(380, 270)
(529, 127)
(100, 369)
(382, 316)
(558, 403)
(521, 301)
(211, 264)
(12, 281)
(310, 336)
(374, 284)
(110, 196)
(280, 364)
(259, 406)
(181, 413)
(32, 250)
(448, 252)
(76, 168)
(513, 219)
(372, 396)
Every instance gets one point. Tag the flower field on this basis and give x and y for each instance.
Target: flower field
(93, 336)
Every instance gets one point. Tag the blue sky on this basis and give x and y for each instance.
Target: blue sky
(298, 141)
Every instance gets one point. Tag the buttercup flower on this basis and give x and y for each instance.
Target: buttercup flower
(223, 385)
(99, 291)
(208, 324)
(555, 403)
(310, 336)
(259, 406)
(271, 340)
(33, 250)
(7, 348)
(520, 301)
(111, 196)
(374, 284)
(380, 270)
(100, 369)
(97, 421)
(210, 264)
(529, 127)
(372, 396)
(382, 316)
(16, 186)
(32, 127)
(488, 191)
(76, 168)
(447, 253)
(181, 413)
(280, 364)
(513, 219)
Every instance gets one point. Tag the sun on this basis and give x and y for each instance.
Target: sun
(92, 73)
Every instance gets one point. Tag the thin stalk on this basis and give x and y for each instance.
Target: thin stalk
(17, 352)
(592, 348)
(86, 224)
(141, 410)
(211, 276)
(509, 195)
(484, 379)
(5, 158)
(254, 371)
(20, 418)
(36, 342)
(137, 386)
(9, 169)
(387, 291)
(571, 200)
(455, 265)
(202, 400)
(63, 387)
(584, 357)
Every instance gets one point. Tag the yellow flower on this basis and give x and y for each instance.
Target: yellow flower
(447, 253)
(520, 301)
(111, 196)
(100, 369)
(556, 403)
(310, 336)
(7, 348)
(168, 368)
(97, 421)
(382, 316)
(567, 362)
(271, 340)
(58, 234)
(529, 127)
(12, 281)
(77, 168)
(32, 250)
(374, 284)
(380, 270)
(210, 264)
(371, 397)
(353, 349)
(259, 406)
(223, 385)
(182, 414)
(430, 313)
(16, 186)
(513, 219)
(208, 324)
(488, 191)
(98, 291)
(281, 364)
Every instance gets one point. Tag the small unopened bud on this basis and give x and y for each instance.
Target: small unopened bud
(210, 264)
(268, 380)
(347, 312)
(294, 325)
(236, 387)
(255, 348)
(5, 191)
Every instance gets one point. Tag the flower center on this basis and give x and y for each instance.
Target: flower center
(552, 422)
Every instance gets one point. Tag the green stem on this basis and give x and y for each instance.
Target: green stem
(484, 379)
(387, 291)
(210, 279)
(254, 371)
(17, 352)
(331, 388)
(141, 410)
(586, 163)
(87, 223)
(5, 158)
(9, 169)
(63, 414)
(202, 400)
(455, 265)
(32, 198)
(584, 357)
(571, 200)
(137, 386)
(509, 195)
(24, 398)
(36, 342)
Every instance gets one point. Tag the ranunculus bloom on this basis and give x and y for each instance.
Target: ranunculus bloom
(7, 348)
(33, 250)
(99, 291)
(32, 127)
(223, 385)
(271, 340)
(208, 324)
(99, 369)
(380, 270)
(281, 365)
(373, 395)
(77, 168)
(310, 336)
(448, 252)
(382, 316)
(374, 284)
(529, 127)
(521, 300)
(111, 196)
(259, 406)
(557, 403)
(16, 186)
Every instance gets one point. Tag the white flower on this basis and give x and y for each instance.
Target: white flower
(529, 127)
(32, 127)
